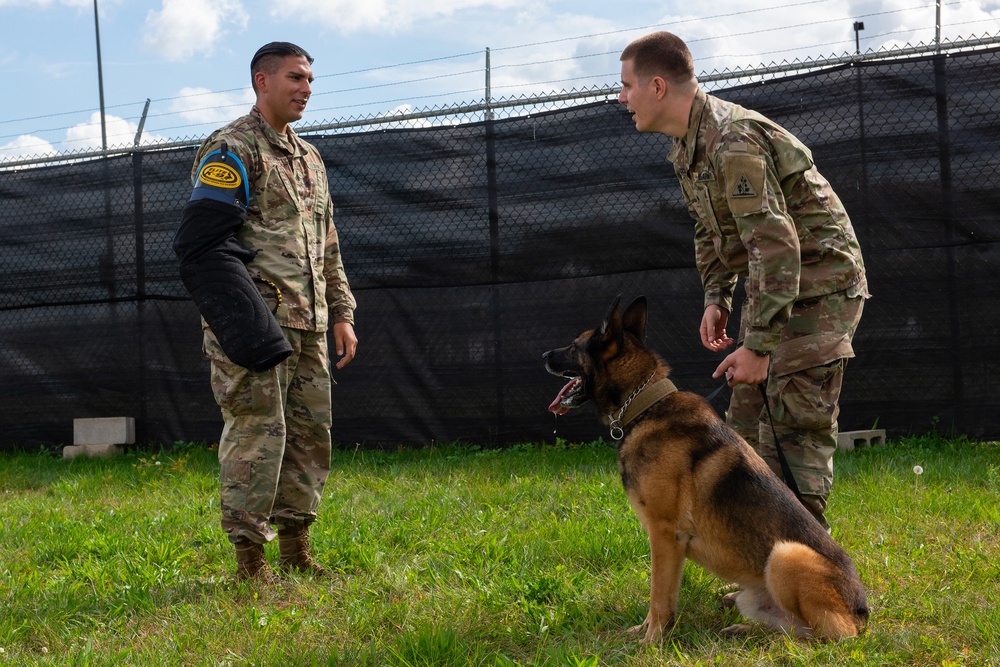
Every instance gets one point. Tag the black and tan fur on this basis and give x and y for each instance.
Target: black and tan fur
(701, 492)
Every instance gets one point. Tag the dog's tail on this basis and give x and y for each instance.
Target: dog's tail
(828, 597)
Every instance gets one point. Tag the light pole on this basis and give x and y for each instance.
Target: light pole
(100, 82)
(858, 27)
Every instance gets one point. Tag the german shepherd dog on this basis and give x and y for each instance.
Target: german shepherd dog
(701, 492)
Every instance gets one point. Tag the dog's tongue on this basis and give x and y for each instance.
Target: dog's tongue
(556, 406)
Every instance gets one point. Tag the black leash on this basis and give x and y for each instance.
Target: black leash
(711, 397)
(786, 471)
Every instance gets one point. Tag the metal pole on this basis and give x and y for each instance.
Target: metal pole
(937, 25)
(950, 236)
(493, 210)
(858, 27)
(489, 108)
(100, 81)
(142, 122)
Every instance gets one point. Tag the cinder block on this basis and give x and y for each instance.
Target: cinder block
(104, 431)
(856, 439)
(72, 451)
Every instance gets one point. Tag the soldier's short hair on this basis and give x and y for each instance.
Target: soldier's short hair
(660, 53)
(269, 57)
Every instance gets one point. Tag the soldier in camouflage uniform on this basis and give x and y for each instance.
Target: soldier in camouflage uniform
(274, 451)
(764, 213)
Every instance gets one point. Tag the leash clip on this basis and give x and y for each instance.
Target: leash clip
(616, 422)
(617, 433)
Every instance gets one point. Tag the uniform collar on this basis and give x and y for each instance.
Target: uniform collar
(682, 152)
(289, 143)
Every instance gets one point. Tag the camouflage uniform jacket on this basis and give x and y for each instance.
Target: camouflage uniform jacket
(289, 223)
(762, 211)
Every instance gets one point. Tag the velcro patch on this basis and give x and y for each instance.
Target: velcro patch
(745, 184)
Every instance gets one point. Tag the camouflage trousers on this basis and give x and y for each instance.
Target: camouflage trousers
(274, 453)
(803, 393)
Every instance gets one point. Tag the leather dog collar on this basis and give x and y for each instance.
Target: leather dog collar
(645, 398)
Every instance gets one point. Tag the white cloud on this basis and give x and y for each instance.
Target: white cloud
(743, 35)
(183, 29)
(347, 16)
(26, 146)
(80, 138)
(200, 105)
(120, 133)
(554, 66)
(545, 64)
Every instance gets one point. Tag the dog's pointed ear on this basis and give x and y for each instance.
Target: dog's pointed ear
(613, 320)
(634, 319)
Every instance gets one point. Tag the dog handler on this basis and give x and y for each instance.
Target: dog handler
(261, 196)
(764, 213)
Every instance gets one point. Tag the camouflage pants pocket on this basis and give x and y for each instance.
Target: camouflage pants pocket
(809, 399)
(246, 488)
(308, 417)
(237, 390)
(234, 477)
(805, 416)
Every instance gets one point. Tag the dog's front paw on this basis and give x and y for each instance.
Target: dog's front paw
(654, 635)
(637, 630)
(650, 631)
(646, 633)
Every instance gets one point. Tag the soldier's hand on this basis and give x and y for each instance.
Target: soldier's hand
(345, 342)
(743, 367)
(713, 329)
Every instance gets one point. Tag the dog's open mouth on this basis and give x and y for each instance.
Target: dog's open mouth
(567, 397)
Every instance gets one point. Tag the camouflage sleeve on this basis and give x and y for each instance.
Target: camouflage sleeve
(752, 188)
(234, 144)
(339, 298)
(718, 281)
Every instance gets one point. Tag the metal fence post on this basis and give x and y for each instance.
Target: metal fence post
(494, 219)
(140, 289)
(944, 155)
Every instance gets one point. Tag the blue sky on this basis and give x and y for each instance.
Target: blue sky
(191, 57)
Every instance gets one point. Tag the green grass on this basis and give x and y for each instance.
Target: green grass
(461, 556)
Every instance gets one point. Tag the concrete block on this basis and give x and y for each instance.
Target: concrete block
(104, 431)
(855, 439)
(72, 451)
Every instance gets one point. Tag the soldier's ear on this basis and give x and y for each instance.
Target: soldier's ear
(659, 85)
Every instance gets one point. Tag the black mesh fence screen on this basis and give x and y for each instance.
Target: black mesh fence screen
(474, 248)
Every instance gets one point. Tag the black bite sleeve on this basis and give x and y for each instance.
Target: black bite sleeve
(213, 270)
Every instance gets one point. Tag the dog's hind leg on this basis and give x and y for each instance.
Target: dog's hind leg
(802, 582)
(756, 604)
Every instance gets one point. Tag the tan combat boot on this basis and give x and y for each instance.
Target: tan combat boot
(251, 565)
(293, 543)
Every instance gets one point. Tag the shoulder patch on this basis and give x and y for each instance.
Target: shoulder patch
(219, 175)
(222, 177)
(745, 184)
(744, 188)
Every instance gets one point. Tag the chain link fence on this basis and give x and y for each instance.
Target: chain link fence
(474, 247)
